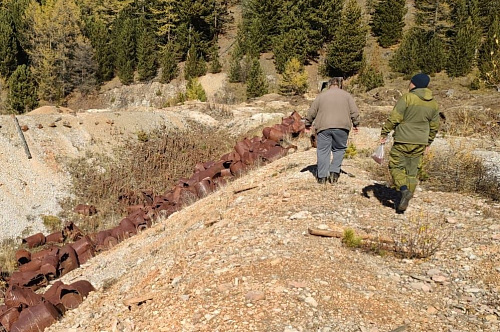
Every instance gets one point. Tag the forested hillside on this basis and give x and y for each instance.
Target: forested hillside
(50, 48)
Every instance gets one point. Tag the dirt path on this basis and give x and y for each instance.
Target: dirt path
(244, 262)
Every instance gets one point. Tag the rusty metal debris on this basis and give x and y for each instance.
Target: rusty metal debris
(26, 311)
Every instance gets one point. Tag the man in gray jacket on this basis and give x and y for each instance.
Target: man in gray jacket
(333, 113)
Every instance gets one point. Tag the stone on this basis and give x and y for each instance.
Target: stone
(311, 301)
(300, 215)
(473, 290)
(297, 284)
(255, 295)
(439, 279)
(451, 220)
(431, 310)
(491, 318)
(416, 285)
(496, 237)
(433, 272)
(426, 288)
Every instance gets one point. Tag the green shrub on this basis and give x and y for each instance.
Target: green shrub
(195, 91)
(370, 78)
(350, 239)
(52, 223)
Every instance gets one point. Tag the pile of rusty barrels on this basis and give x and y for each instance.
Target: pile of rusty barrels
(25, 310)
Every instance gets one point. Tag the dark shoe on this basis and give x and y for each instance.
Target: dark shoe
(333, 178)
(321, 180)
(406, 195)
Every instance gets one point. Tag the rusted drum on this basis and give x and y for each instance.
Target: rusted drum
(56, 237)
(36, 319)
(68, 260)
(16, 296)
(34, 265)
(9, 317)
(32, 279)
(84, 249)
(23, 256)
(34, 240)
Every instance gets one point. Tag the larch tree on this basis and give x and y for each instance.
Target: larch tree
(124, 41)
(489, 56)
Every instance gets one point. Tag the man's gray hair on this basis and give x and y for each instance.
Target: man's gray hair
(335, 81)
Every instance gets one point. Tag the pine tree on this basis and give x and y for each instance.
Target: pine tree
(261, 22)
(124, 40)
(433, 15)
(294, 78)
(256, 83)
(101, 42)
(195, 91)
(170, 69)
(8, 44)
(166, 17)
(215, 65)
(291, 44)
(489, 56)
(432, 58)
(466, 38)
(345, 53)
(195, 64)
(405, 59)
(388, 21)
(370, 77)
(329, 12)
(22, 91)
(146, 52)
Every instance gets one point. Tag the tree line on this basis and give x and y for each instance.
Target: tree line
(49, 48)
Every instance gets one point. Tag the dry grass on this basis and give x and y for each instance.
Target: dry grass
(459, 170)
(111, 183)
(8, 262)
(472, 122)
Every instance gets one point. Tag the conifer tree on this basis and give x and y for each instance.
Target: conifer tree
(489, 56)
(170, 69)
(345, 53)
(194, 90)
(288, 45)
(388, 21)
(405, 59)
(146, 52)
(432, 58)
(466, 38)
(8, 44)
(195, 64)
(433, 15)
(22, 91)
(329, 12)
(101, 42)
(215, 65)
(256, 82)
(294, 79)
(261, 22)
(124, 39)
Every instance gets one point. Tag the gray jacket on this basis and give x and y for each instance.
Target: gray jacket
(333, 108)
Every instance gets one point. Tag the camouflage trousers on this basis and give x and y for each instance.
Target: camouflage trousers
(405, 162)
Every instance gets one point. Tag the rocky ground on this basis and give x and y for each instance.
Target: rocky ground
(244, 261)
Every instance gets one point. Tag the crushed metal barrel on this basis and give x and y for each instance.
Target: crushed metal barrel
(26, 311)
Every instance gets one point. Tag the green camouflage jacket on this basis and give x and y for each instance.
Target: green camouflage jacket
(414, 119)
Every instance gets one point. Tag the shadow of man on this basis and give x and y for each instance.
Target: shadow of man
(387, 196)
(313, 169)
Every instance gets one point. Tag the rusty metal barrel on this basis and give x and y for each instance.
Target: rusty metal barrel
(34, 240)
(36, 319)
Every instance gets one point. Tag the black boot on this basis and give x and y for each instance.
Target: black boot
(333, 178)
(406, 195)
(321, 180)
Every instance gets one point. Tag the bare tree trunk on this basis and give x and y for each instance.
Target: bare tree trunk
(21, 135)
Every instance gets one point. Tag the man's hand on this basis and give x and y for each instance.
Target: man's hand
(427, 149)
(307, 130)
(355, 129)
(383, 140)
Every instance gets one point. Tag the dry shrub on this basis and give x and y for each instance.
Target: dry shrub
(458, 169)
(156, 164)
(219, 111)
(8, 262)
(419, 237)
(472, 121)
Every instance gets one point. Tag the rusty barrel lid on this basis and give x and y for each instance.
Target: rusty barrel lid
(68, 260)
(56, 237)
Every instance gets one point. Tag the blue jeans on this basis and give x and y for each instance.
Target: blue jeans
(331, 141)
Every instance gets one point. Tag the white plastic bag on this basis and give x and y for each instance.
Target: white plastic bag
(378, 154)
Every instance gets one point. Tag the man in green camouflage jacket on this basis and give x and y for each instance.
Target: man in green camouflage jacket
(415, 121)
